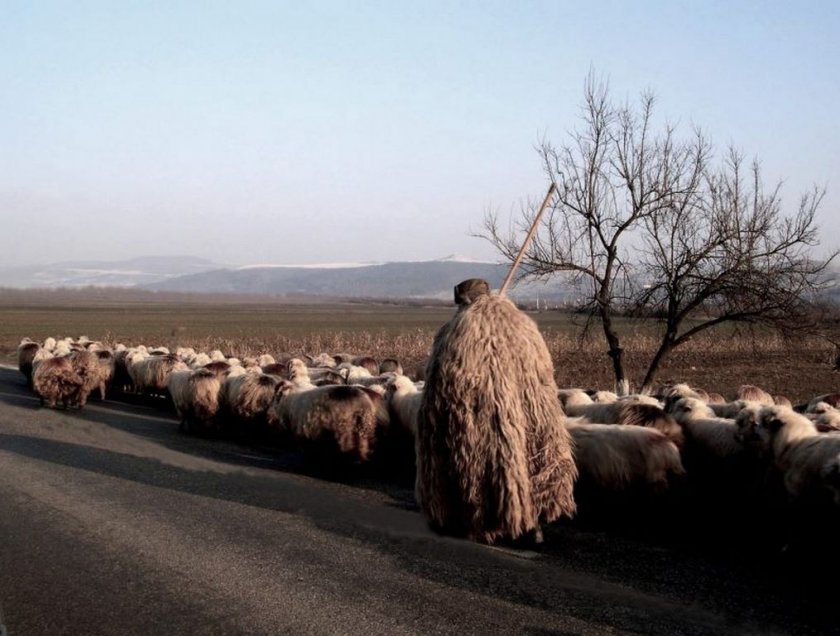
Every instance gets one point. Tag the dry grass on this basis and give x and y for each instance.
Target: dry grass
(718, 361)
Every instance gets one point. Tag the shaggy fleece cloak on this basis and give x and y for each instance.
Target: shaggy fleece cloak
(493, 454)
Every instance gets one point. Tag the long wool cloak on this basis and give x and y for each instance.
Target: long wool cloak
(494, 457)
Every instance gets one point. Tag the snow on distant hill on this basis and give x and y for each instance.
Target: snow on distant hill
(128, 273)
(408, 279)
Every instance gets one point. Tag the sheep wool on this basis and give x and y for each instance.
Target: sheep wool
(494, 457)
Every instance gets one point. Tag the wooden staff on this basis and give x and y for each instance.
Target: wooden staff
(551, 190)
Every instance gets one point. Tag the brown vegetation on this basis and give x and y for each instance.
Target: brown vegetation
(719, 361)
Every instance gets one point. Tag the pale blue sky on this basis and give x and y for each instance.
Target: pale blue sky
(255, 132)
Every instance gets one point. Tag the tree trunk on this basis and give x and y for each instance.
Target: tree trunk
(664, 349)
(615, 352)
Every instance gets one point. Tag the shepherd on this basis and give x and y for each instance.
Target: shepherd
(494, 458)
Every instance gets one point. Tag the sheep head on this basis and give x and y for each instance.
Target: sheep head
(688, 408)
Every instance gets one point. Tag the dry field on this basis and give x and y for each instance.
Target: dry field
(719, 361)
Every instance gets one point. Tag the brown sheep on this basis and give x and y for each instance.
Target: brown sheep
(219, 368)
(390, 365)
(368, 363)
(751, 393)
(106, 370)
(494, 457)
(246, 399)
(54, 380)
(151, 374)
(343, 418)
(86, 365)
(121, 379)
(277, 369)
(652, 416)
(715, 398)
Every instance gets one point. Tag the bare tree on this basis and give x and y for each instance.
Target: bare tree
(643, 223)
(728, 255)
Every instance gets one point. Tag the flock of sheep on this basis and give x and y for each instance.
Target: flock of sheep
(351, 408)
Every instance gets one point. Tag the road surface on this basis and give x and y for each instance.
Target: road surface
(112, 522)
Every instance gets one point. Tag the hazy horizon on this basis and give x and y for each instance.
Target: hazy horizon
(264, 133)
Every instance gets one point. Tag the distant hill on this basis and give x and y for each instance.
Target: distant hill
(128, 273)
(425, 279)
(186, 274)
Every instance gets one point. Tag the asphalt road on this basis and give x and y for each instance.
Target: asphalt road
(112, 522)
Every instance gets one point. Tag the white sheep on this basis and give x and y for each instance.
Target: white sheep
(353, 373)
(195, 394)
(799, 451)
(381, 380)
(265, 359)
(186, 354)
(199, 360)
(321, 361)
(730, 410)
(404, 403)
(608, 412)
(150, 374)
(709, 438)
(299, 374)
(573, 397)
(617, 458)
(604, 397)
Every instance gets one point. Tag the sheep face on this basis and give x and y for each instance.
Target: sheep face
(821, 408)
(747, 425)
(767, 425)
